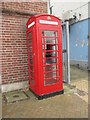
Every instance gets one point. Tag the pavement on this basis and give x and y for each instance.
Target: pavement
(79, 78)
(72, 104)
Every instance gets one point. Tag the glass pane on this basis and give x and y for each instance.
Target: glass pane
(50, 74)
(49, 33)
(50, 53)
(29, 41)
(50, 60)
(49, 68)
(50, 57)
(49, 41)
(29, 35)
(31, 53)
(31, 80)
(30, 48)
(31, 73)
(31, 61)
(51, 47)
(51, 81)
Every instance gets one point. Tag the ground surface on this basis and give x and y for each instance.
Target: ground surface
(72, 104)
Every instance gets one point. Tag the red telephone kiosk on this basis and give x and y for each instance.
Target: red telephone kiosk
(44, 42)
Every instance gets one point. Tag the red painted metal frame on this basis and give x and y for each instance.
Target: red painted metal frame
(38, 87)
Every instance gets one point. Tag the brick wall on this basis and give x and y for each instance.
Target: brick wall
(14, 55)
(39, 7)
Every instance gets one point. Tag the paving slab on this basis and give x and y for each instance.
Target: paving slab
(15, 96)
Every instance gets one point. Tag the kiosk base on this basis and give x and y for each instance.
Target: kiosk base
(47, 95)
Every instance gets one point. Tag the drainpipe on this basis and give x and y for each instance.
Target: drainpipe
(68, 52)
(49, 6)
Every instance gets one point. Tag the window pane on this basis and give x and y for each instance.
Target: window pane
(30, 48)
(49, 33)
(29, 35)
(50, 57)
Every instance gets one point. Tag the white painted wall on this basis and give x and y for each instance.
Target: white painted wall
(60, 7)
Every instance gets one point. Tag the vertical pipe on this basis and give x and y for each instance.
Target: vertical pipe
(65, 54)
(49, 6)
(68, 52)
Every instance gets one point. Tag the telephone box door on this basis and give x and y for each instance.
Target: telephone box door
(51, 59)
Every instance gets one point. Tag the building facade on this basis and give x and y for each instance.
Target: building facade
(79, 33)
